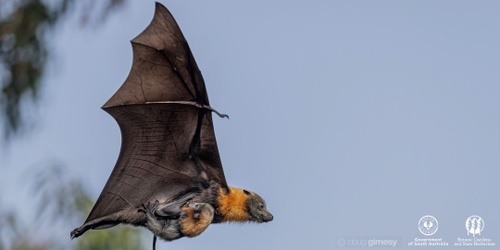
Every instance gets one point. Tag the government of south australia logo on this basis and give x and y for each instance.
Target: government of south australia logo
(474, 225)
(428, 225)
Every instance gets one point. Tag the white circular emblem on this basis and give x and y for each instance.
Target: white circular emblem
(474, 225)
(428, 225)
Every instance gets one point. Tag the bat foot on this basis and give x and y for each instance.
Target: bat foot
(75, 233)
(149, 208)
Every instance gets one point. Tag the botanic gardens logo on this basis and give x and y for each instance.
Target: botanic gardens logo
(474, 225)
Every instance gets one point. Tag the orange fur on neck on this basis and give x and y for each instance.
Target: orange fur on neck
(233, 205)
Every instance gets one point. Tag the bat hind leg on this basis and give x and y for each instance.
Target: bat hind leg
(171, 209)
(101, 223)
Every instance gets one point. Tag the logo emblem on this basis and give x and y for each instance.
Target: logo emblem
(428, 225)
(474, 225)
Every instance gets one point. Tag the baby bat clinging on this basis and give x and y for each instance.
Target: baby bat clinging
(168, 177)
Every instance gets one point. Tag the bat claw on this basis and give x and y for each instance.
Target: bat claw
(215, 111)
(149, 208)
(74, 233)
(219, 114)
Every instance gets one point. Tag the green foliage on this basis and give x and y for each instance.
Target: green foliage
(63, 202)
(24, 51)
(120, 238)
(12, 235)
(69, 200)
(23, 55)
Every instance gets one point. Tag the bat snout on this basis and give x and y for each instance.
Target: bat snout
(267, 217)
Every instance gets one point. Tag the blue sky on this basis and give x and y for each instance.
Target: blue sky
(353, 119)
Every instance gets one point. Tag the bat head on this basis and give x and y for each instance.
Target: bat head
(201, 210)
(201, 207)
(257, 209)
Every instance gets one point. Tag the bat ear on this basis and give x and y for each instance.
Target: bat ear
(247, 192)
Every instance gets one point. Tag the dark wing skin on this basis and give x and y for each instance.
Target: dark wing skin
(168, 142)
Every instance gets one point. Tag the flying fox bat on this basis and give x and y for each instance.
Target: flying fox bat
(168, 176)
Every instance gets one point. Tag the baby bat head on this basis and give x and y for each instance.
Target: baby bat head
(201, 207)
(256, 207)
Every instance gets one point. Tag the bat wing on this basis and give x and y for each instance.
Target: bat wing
(168, 141)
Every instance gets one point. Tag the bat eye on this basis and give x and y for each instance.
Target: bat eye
(261, 205)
